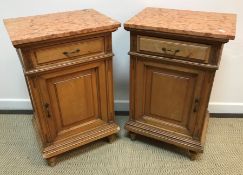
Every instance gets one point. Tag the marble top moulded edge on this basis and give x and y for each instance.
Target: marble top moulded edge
(37, 28)
(185, 22)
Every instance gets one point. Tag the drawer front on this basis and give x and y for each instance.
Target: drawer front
(63, 52)
(186, 50)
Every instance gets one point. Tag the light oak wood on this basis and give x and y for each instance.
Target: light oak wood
(186, 50)
(73, 99)
(77, 140)
(169, 92)
(173, 106)
(65, 51)
(51, 53)
(72, 94)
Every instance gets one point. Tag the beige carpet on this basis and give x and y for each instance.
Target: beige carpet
(19, 153)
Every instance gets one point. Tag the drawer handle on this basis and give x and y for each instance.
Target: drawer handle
(47, 110)
(196, 105)
(71, 53)
(170, 51)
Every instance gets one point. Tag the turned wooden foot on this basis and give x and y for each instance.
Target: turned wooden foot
(192, 154)
(51, 161)
(111, 138)
(132, 136)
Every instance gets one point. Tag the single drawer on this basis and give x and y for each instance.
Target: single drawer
(67, 51)
(185, 50)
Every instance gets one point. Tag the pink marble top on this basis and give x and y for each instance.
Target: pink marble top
(42, 27)
(206, 24)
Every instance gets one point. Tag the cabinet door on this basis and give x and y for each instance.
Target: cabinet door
(74, 100)
(167, 96)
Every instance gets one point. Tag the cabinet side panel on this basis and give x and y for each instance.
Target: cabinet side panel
(110, 91)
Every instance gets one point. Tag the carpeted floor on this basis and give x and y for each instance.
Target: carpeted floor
(19, 153)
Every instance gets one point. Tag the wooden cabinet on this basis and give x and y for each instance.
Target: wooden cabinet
(69, 78)
(171, 76)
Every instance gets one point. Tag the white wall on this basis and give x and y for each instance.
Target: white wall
(227, 94)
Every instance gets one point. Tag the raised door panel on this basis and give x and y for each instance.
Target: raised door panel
(170, 96)
(72, 100)
(75, 96)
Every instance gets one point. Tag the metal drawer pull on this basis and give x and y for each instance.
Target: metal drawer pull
(70, 53)
(170, 51)
(47, 110)
(196, 105)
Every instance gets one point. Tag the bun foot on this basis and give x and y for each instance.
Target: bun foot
(111, 138)
(192, 155)
(132, 136)
(51, 161)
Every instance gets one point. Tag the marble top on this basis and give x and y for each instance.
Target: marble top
(43, 27)
(205, 24)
